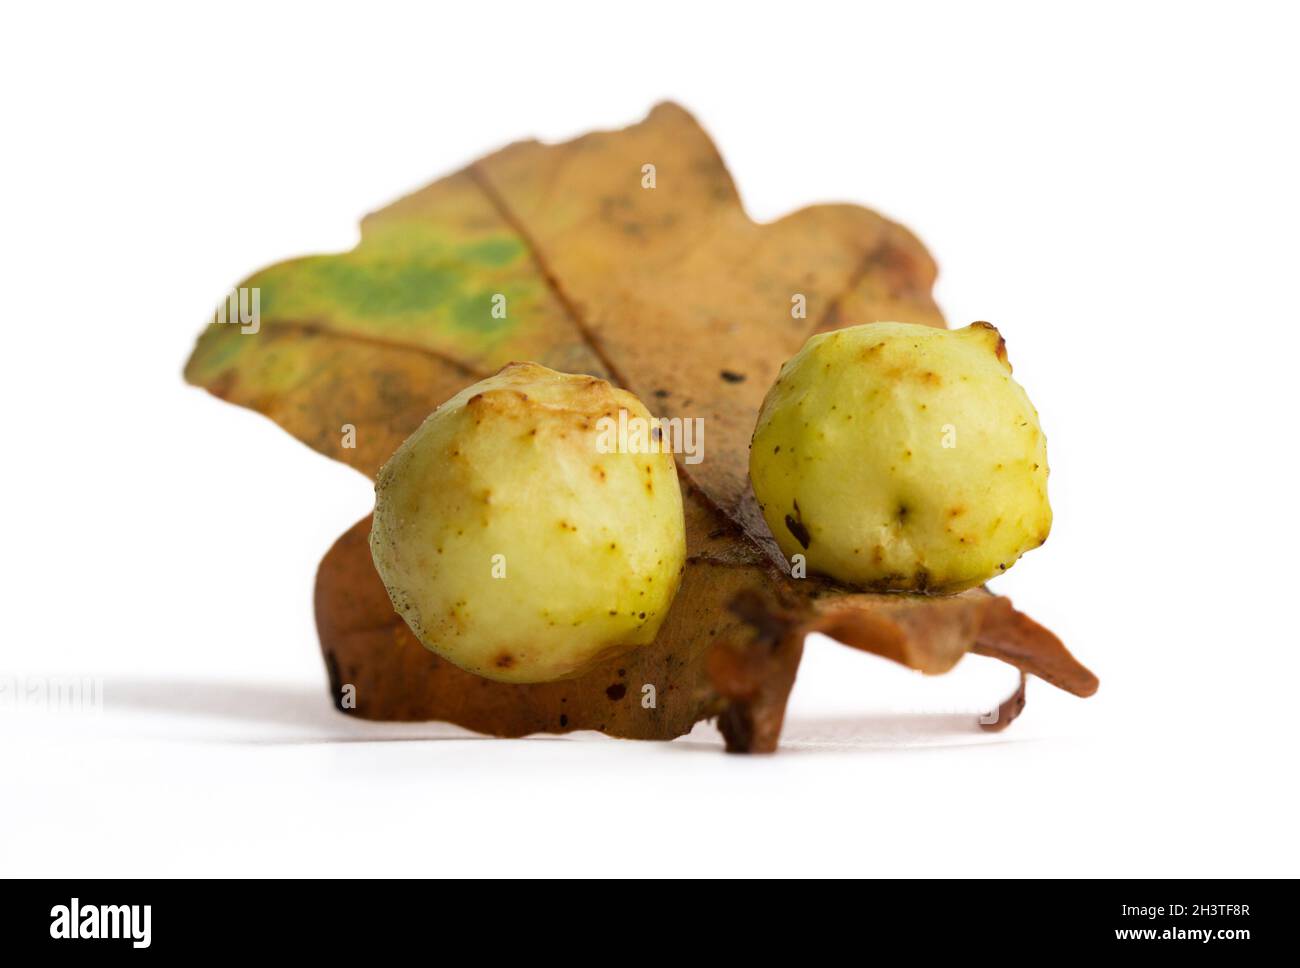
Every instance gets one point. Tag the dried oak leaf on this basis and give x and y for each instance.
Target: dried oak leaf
(670, 291)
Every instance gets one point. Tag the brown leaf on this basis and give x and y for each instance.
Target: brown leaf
(366, 644)
(670, 291)
(1008, 710)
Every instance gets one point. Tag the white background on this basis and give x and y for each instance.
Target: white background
(1116, 188)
